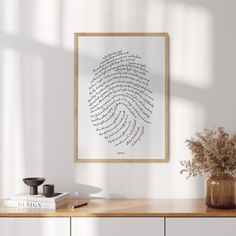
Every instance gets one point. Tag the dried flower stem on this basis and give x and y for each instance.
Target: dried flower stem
(214, 151)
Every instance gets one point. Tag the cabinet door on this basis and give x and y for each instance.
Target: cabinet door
(200, 226)
(34, 226)
(117, 226)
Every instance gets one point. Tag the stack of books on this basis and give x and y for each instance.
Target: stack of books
(37, 201)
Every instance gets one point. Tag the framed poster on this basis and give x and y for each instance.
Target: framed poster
(121, 97)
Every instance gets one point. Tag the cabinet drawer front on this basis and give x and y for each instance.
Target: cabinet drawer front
(28, 226)
(200, 226)
(117, 226)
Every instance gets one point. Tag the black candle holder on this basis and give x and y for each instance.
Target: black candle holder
(48, 190)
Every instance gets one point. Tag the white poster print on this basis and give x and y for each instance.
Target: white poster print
(121, 113)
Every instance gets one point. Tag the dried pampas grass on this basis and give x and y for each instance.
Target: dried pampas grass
(214, 151)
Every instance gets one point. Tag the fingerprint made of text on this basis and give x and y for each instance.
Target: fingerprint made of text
(120, 100)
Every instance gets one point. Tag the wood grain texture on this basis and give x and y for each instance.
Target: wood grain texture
(125, 208)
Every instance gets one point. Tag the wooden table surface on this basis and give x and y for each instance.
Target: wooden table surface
(124, 208)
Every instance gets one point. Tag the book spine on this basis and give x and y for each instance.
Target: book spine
(29, 204)
(46, 200)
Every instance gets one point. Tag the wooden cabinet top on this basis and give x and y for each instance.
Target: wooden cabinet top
(125, 208)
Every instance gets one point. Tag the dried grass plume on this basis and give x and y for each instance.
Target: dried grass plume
(214, 151)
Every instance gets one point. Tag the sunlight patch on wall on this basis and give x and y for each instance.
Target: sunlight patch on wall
(191, 44)
(83, 16)
(21, 125)
(32, 70)
(10, 16)
(156, 18)
(46, 22)
(186, 119)
(12, 146)
(165, 180)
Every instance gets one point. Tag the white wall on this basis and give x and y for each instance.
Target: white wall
(36, 89)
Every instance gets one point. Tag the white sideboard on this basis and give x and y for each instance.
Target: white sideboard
(34, 226)
(106, 217)
(200, 226)
(117, 226)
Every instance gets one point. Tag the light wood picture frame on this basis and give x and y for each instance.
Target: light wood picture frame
(121, 97)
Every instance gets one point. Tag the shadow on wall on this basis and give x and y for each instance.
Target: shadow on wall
(85, 191)
(36, 90)
(36, 98)
(201, 86)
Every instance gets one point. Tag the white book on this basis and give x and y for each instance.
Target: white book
(33, 204)
(40, 197)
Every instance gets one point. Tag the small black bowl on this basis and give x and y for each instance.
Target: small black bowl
(33, 182)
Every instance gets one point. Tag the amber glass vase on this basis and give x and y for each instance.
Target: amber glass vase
(220, 191)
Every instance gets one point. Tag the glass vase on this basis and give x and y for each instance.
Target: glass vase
(220, 191)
